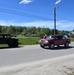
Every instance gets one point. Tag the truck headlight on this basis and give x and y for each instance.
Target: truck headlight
(46, 41)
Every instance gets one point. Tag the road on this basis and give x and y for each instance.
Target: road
(25, 54)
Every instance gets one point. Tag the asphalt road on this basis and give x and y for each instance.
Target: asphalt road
(25, 54)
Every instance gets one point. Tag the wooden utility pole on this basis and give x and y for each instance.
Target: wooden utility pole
(55, 20)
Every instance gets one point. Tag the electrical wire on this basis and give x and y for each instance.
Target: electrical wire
(21, 14)
(23, 9)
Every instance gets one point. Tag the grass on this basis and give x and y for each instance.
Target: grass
(24, 41)
(72, 39)
(27, 41)
(31, 41)
(3, 45)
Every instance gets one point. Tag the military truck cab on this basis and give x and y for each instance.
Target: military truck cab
(7, 39)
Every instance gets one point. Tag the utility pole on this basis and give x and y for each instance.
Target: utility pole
(55, 20)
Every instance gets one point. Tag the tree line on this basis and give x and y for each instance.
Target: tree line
(28, 31)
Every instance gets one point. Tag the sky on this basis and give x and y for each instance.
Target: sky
(38, 13)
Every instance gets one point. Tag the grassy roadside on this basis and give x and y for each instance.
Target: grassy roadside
(72, 39)
(3, 45)
(32, 41)
(27, 41)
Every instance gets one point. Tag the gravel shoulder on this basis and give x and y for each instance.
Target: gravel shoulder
(56, 66)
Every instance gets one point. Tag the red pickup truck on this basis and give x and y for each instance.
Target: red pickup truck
(54, 40)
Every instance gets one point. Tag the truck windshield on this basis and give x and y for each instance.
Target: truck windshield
(53, 37)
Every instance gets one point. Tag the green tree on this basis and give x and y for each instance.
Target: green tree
(24, 32)
(4, 29)
(0, 29)
(46, 31)
(11, 30)
(56, 32)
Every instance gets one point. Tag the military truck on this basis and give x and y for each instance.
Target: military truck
(7, 39)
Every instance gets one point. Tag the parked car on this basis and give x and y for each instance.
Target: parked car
(54, 40)
(7, 39)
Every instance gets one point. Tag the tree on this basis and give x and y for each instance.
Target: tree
(11, 30)
(46, 31)
(56, 32)
(18, 29)
(0, 29)
(24, 32)
(4, 29)
(32, 30)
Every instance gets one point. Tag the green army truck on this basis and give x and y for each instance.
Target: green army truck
(7, 39)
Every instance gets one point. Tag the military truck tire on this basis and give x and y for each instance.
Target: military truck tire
(13, 44)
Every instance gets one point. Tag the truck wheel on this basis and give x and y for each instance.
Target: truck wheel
(51, 45)
(9, 45)
(15, 44)
(66, 44)
(42, 46)
(58, 45)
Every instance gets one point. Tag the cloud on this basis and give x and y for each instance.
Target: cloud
(60, 25)
(65, 25)
(26, 1)
(39, 24)
(58, 1)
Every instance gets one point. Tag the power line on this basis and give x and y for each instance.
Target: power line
(21, 14)
(23, 9)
